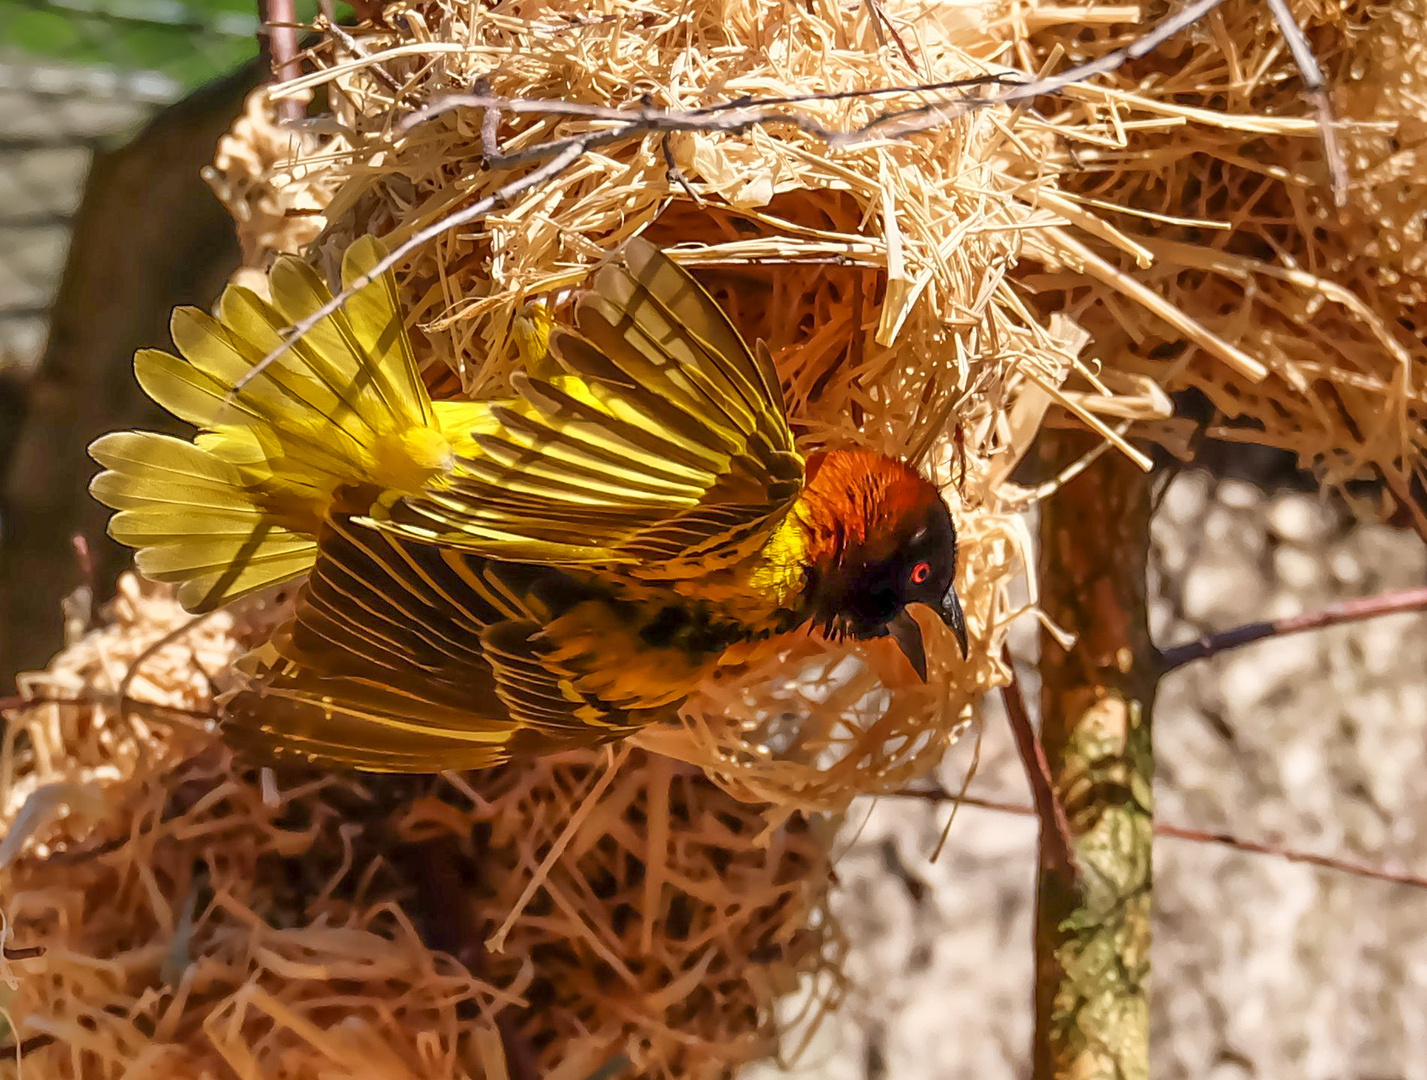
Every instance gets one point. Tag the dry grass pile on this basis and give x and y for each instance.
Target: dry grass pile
(1245, 238)
(194, 915)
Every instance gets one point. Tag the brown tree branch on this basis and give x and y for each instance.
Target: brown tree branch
(1339, 614)
(280, 34)
(1097, 698)
(1194, 836)
(1055, 829)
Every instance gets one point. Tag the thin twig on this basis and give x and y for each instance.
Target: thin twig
(1327, 862)
(883, 28)
(552, 168)
(490, 126)
(16, 703)
(280, 27)
(1055, 827)
(1317, 88)
(329, 25)
(452, 102)
(84, 558)
(1195, 836)
(911, 121)
(155, 648)
(1343, 612)
(28, 1046)
(675, 175)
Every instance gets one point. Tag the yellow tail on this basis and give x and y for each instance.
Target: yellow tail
(238, 508)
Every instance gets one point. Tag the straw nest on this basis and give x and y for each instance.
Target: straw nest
(1242, 233)
(940, 295)
(878, 273)
(195, 916)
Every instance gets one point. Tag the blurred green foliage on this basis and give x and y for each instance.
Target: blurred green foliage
(189, 41)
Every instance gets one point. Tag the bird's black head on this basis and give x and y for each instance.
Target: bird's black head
(882, 540)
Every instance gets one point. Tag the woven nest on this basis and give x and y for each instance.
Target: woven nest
(941, 296)
(1244, 237)
(879, 274)
(194, 915)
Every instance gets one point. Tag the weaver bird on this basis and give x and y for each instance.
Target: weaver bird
(493, 578)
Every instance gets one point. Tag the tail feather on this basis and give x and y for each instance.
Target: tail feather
(238, 509)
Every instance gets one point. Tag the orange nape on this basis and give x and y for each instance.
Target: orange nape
(865, 500)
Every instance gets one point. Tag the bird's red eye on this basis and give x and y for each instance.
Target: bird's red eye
(921, 572)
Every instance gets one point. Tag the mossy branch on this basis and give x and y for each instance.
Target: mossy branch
(1093, 936)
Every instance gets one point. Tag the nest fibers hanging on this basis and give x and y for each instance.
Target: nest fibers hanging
(1230, 199)
(905, 286)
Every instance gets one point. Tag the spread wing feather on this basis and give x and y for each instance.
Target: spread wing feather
(651, 429)
(404, 657)
(192, 523)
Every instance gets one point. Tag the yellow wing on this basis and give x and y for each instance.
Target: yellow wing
(406, 657)
(650, 433)
(239, 507)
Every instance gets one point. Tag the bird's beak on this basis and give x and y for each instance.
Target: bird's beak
(950, 611)
(908, 636)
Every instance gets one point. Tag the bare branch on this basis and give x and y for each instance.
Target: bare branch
(909, 122)
(883, 28)
(153, 649)
(769, 106)
(199, 717)
(1055, 827)
(18, 1050)
(490, 126)
(329, 25)
(675, 175)
(1346, 611)
(1317, 88)
(280, 26)
(1194, 836)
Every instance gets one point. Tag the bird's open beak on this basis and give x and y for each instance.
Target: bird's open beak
(950, 611)
(908, 636)
(904, 630)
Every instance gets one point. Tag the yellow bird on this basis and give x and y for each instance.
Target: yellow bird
(487, 579)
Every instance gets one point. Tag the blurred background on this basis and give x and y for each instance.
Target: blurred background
(109, 111)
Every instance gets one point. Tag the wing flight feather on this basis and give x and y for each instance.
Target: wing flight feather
(650, 428)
